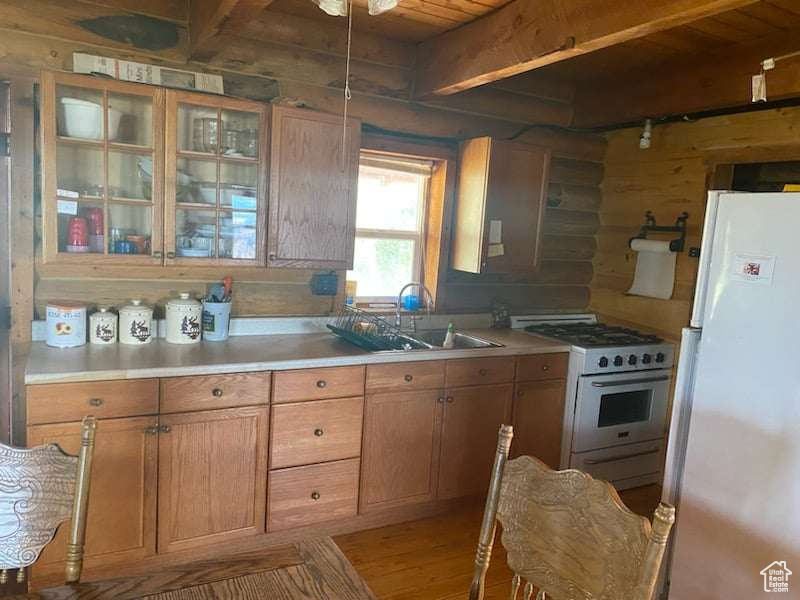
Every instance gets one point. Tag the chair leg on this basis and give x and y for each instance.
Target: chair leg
(515, 582)
(3, 577)
(526, 595)
(21, 576)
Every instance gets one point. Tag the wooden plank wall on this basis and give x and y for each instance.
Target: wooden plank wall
(292, 58)
(672, 176)
(570, 223)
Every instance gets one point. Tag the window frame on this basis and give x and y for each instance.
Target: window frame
(417, 236)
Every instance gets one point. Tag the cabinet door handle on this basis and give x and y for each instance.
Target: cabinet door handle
(95, 402)
(217, 392)
(165, 429)
(322, 383)
(545, 367)
(157, 254)
(170, 255)
(440, 400)
(315, 495)
(272, 256)
(319, 432)
(151, 430)
(520, 394)
(450, 399)
(483, 372)
(408, 378)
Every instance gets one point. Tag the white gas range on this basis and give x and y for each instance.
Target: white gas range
(617, 396)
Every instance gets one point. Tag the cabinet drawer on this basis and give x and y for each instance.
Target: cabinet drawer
(405, 376)
(542, 366)
(306, 495)
(318, 384)
(313, 432)
(62, 402)
(477, 371)
(184, 394)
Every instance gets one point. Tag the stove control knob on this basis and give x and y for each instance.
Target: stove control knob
(632, 359)
(660, 357)
(646, 359)
(617, 361)
(603, 362)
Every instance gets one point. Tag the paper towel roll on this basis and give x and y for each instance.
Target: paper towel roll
(655, 269)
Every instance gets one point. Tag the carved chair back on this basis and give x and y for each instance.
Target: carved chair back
(40, 488)
(568, 535)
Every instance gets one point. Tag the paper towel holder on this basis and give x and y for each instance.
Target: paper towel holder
(675, 245)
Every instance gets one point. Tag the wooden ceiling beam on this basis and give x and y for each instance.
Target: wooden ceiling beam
(527, 34)
(211, 20)
(713, 80)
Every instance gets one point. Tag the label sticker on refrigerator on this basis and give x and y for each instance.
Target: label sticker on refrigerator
(753, 269)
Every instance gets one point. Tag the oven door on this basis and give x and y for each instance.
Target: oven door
(620, 408)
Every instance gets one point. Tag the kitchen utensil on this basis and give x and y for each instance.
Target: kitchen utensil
(216, 292)
(227, 282)
(103, 327)
(135, 323)
(84, 119)
(184, 316)
(66, 324)
(216, 320)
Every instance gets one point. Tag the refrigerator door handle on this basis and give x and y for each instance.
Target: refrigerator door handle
(703, 269)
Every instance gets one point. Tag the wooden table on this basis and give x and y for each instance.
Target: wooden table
(313, 569)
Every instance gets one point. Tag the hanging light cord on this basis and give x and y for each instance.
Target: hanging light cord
(347, 94)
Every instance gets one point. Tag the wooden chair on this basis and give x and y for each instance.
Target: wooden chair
(566, 534)
(40, 488)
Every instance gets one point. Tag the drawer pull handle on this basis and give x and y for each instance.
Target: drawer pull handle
(450, 399)
(319, 432)
(157, 254)
(483, 372)
(216, 392)
(95, 402)
(545, 367)
(602, 461)
(170, 255)
(165, 429)
(440, 400)
(409, 378)
(322, 383)
(315, 495)
(151, 430)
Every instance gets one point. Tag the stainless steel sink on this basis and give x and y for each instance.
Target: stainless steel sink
(435, 337)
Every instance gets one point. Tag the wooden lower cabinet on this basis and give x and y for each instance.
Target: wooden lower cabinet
(538, 420)
(400, 452)
(121, 525)
(472, 418)
(212, 477)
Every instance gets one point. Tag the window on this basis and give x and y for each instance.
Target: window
(390, 219)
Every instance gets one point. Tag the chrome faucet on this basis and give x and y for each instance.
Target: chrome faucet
(429, 302)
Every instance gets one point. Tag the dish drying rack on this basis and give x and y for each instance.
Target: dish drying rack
(371, 332)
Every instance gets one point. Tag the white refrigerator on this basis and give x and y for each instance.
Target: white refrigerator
(733, 457)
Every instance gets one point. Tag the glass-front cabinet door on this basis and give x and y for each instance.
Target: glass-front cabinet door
(215, 180)
(102, 153)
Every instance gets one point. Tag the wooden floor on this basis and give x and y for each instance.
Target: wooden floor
(432, 559)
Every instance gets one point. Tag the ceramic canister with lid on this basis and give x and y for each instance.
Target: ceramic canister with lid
(184, 317)
(135, 324)
(66, 324)
(103, 327)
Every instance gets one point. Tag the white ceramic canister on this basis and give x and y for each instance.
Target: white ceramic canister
(184, 319)
(103, 327)
(135, 324)
(66, 324)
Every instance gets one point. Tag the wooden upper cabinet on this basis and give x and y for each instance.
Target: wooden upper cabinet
(313, 186)
(502, 188)
(102, 165)
(215, 180)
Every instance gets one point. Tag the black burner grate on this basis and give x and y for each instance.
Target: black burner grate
(594, 335)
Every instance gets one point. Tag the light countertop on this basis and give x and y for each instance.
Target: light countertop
(247, 353)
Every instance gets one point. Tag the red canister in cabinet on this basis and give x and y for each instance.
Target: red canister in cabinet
(78, 232)
(95, 217)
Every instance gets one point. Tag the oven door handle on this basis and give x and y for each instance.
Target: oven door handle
(602, 384)
(600, 461)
